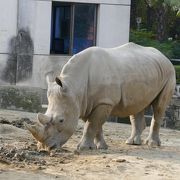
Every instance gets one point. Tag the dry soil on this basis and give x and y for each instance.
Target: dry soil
(19, 158)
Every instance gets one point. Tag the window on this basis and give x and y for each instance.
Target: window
(73, 27)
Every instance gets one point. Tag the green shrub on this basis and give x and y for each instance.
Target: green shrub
(176, 50)
(177, 68)
(171, 49)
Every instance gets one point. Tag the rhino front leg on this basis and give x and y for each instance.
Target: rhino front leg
(99, 140)
(93, 129)
(87, 140)
(138, 124)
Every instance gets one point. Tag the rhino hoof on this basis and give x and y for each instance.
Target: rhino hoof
(129, 141)
(102, 146)
(86, 147)
(151, 142)
(134, 141)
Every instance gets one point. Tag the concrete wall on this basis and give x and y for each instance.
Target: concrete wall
(27, 15)
(42, 66)
(42, 27)
(35, 16)
(8, 23)
(3, 61)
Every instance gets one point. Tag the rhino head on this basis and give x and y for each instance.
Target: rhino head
(59, 122)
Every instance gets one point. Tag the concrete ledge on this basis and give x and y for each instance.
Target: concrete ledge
(22, 98)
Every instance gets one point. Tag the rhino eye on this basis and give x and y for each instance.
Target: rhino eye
(61, 120)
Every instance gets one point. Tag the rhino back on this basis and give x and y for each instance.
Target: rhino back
(128, 77)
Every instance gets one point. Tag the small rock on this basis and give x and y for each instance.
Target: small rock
(36, 162)
(41, 168)
(22, 166)
(160, 174)
(4, 161)
(120, 160)
(43, 162)
(139, 158)
(43, 152)
(19, 156)
(8, 154)
(16, 155)
(61, 162)
(4, 121)
(108, 166)
(13, 151)
(52, 154)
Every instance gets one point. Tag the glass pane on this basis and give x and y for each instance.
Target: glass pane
(60, 31)
(84, 30)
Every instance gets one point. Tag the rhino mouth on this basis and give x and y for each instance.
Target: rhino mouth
(47, 141)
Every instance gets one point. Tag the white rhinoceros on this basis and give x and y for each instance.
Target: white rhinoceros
(99, 82)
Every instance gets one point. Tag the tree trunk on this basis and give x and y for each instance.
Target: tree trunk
(133, 13)
(161, 23)
(150, 17)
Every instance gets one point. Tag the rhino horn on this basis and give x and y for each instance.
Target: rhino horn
(35, 130)
(43, 119)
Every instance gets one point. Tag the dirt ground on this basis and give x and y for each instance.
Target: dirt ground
(19, 159)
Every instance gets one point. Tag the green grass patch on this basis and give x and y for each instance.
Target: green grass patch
(177, 68)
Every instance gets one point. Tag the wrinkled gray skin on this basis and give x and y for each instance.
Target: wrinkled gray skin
(99, 82)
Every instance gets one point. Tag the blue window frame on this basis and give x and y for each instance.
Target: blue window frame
(73, 27)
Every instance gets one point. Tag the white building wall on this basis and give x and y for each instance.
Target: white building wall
(42, 27)
(35, 15)
(113, 25)
(8, 23)
(27, 15)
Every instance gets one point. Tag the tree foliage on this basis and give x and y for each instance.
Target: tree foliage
(160, 27)
(158, 16)
(173, 3)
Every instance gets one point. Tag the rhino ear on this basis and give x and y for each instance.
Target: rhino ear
(58, 81)
(49, 77)
(43, 119)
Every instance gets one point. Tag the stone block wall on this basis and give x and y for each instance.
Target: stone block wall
(22, 98)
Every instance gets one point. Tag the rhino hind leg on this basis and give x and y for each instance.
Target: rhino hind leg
(92, 134)
(138, 124)
(159, 106)
(153, 138)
